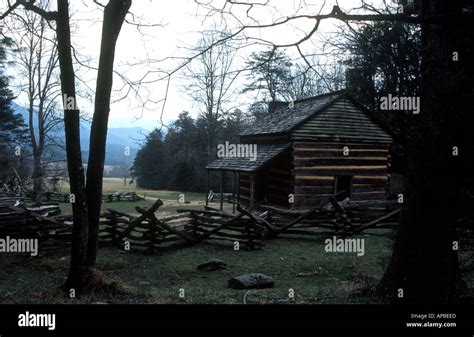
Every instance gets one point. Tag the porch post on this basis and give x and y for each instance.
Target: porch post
(222, 190)
(238, 187)
(207, 186)
(251, 189)
(233, 192)
(266, 186)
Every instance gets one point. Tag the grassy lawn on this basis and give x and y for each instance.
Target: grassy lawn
(129, 206)
(157, 278)
(112, 185)
(170, 198)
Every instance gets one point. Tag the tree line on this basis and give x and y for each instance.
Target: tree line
(375, 60)
(424, 264)
(176, 160)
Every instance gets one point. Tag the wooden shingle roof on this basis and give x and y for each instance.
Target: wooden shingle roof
(321, 121)
(265, 153)
(284, 118)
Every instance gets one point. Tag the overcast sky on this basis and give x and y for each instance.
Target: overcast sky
(181, 21)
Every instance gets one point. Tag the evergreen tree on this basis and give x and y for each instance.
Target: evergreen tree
(178, 160)
(148, 166)
(385, 59)
(12, 127)
(270, 77)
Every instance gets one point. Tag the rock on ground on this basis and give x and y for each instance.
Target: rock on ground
(212, 265)
(251, 281)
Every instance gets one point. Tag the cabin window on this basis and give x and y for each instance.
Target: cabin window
(342, 188)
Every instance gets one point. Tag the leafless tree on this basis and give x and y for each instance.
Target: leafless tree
(306, 83)
(424, 266)
(210, 82)
(37, 62)
(424, 263)
(86, 209)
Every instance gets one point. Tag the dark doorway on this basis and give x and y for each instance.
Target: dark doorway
(260, 185)
(343, 186)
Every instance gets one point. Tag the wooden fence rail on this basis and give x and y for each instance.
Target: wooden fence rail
(250, 227)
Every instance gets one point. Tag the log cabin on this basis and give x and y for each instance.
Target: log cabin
(309, 150)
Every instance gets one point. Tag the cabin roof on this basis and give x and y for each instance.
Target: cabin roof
(265, 153)
(331, 125)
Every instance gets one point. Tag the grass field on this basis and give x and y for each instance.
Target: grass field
(340, 278)
(158, 278)
(170, 198)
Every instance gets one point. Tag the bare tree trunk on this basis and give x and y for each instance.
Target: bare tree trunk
(114, 16)
(38, 149)
(35, 147)
(78, 268)
(424, 266)
(37, 173)
(37, 62)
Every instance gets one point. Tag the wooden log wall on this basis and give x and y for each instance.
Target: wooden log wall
(244, 188)
(277, 174)
(279, 180)
(316, 165)
(273, 182)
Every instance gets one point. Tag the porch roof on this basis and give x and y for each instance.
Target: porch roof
(264, 154)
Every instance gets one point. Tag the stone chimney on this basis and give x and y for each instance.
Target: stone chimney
(273, 105)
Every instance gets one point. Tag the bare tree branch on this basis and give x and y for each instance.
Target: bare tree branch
(29, 5)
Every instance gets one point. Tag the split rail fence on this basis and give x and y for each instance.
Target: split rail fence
(249, 227)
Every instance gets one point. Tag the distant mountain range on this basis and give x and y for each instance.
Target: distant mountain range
(122, 142)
